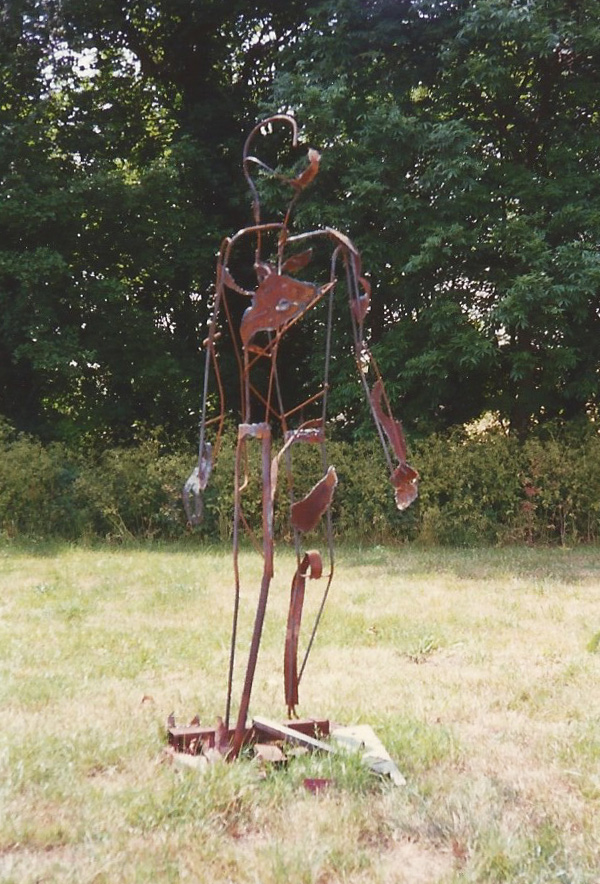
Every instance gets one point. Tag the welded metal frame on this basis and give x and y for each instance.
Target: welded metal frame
(277, 303)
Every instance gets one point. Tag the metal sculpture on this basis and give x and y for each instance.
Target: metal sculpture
(276, 304)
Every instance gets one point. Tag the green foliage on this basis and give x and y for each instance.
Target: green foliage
(133, 492)
(492, 488)
(479, 489)
(461, 166)
(470, 488)
(593, 646)
(459, 153)
(563, 470)
(38, 495)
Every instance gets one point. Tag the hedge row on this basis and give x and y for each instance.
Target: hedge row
(487, 489)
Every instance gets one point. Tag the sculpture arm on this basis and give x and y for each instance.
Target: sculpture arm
(403, 477)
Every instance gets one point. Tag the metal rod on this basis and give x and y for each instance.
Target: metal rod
(264, 592)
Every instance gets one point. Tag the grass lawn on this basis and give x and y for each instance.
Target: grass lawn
(479, 670)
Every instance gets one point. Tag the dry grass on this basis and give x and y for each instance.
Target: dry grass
(478, 669)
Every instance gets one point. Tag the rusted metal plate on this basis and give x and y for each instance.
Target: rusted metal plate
(316, 784)
(254, 431)
(297, 262)
(277, 301)
(404, 480)
(309, 431)
(310, 173)
(185, 739)
(287, 733)
(192, 737)
(393, 428)
(307, 512)
(313, 564)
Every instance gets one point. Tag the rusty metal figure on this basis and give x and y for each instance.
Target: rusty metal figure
(277, 303)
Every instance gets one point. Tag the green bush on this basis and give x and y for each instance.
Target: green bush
(470, 489)
(483, 489)
(133, 492)
(493, 489)
(564, 471)
(38, 497)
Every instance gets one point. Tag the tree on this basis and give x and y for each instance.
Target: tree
(121, 145)
(85, 186)
(458, 153)
(464, 141)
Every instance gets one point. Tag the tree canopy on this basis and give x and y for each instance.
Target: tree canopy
(459, 146)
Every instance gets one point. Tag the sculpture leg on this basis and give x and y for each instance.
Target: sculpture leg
(262, 432)
(313, 564)
(239, 454)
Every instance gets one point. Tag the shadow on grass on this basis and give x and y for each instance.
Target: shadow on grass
(553, 564)
(54, 547)
(559, 564)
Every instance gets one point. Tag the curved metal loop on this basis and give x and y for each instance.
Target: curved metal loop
(247, 158)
